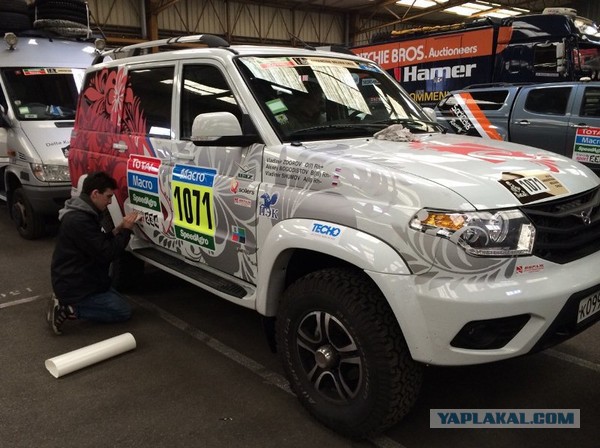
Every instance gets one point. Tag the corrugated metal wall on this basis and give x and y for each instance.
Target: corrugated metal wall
(240, 22)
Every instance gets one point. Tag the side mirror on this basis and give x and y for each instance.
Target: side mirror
(212, 125)
(220, 129)
(430, 113)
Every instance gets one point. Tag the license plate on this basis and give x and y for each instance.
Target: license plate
(588, 306)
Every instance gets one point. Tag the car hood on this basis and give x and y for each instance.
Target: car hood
(49, 141)
(483, 172)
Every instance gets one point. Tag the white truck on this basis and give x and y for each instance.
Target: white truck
(376, 242)
(40, 78)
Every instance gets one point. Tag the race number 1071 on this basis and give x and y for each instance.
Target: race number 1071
(193, 207)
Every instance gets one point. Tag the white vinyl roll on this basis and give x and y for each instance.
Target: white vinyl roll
(86, 356)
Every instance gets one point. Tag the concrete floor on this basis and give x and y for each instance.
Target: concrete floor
(203, 376)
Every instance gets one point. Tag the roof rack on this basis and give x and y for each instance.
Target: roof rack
(210, 40)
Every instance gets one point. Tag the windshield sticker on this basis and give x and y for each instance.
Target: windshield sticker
(46, 71)
(529, 186)
(193, 204)
(328, 61)
(586, 148)
(142, 182)
(276, 106)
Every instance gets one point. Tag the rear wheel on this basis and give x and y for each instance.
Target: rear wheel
(344, 353)
(30, 224)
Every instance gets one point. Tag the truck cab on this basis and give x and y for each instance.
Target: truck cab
(40, 79)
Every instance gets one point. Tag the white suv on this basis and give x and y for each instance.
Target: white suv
(310, 187)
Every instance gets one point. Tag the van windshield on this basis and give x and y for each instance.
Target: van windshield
(41, 93)
(314, 98)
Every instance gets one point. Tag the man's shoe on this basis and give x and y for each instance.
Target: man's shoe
(58, 315)
(52, 302)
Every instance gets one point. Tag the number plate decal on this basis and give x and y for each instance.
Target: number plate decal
(588, 306)
(193, 204)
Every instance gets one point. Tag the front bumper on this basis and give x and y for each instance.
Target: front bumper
(432, 311)
(47, 200)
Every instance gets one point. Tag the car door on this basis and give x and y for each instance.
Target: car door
(540, 117)
(583, 136)
(146, 138)
(213, 188)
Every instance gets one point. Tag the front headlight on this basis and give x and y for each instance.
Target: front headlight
(51, 173)
(500, 233)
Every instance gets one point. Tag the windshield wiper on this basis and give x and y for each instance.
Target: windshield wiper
(353, 126)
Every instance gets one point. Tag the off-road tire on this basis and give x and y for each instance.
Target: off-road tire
(359, 330)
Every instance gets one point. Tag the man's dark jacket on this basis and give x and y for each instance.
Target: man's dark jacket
(83, 252)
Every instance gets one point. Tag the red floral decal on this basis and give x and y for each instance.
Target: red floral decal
(108, 113)
(489, 154)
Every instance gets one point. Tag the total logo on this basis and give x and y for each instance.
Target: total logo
(326, 230)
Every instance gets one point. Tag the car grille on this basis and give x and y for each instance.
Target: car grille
(567, 229)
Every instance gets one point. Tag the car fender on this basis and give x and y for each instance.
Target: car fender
(353, 246)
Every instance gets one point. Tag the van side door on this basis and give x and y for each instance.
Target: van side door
(541, 116)
(583, 136)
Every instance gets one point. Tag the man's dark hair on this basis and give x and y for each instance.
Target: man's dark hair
(98, 180)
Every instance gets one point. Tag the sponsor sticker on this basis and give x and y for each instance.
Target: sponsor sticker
(142, 182)
(586, 147)
(529, 269)
(324, 230)
(242, 202)
(193, 204)
(238, 234)
(530, 186)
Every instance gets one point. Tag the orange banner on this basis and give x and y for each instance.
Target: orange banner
(465, 44)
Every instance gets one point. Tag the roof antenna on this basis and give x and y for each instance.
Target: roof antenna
(306, 46)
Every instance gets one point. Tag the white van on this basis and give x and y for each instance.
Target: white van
(40, 78)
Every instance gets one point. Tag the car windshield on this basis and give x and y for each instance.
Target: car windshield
(41, 93)
(314, 98)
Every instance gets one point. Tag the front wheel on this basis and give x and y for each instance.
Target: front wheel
(30, 225)
(344, 353)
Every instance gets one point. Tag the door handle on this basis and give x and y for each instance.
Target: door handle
(579, 126)
(523, 122)
(121, 146)
(183, 156)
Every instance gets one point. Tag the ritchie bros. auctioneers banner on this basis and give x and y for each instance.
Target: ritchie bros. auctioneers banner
(431, 49)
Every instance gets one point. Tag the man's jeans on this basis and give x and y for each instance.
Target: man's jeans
(107, 307)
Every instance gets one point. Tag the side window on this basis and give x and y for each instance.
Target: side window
(551, 101)
(204, 89)
(591, 102)
(544, 59)
(153, 89)
(490, 100)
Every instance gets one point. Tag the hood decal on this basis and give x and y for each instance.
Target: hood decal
(489, 153)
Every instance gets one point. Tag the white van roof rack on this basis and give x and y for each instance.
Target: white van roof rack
(209, 40)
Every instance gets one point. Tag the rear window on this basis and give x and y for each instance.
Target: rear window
(485, 100)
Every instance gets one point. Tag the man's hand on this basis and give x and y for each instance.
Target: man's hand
(129, 221)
